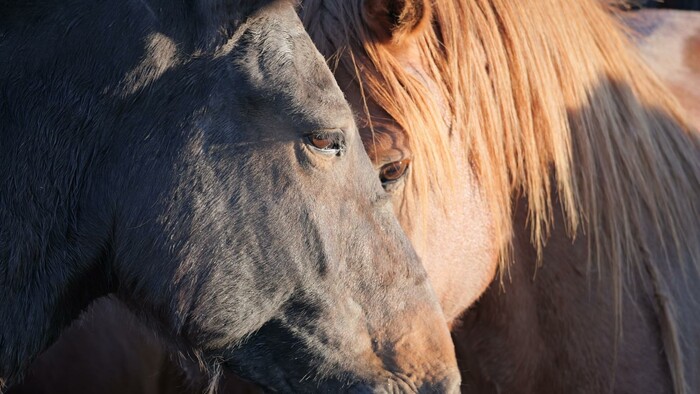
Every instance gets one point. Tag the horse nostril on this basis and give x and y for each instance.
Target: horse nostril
(403, 383)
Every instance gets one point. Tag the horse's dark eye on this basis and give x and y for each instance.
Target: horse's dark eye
(392, 172)
(321, 141)
(329, 143)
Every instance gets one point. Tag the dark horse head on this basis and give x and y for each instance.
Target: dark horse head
(198, 159)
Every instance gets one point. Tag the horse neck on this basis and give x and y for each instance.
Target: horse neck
(557, 315)
(53, 236)
(452, 233)
(39, 301)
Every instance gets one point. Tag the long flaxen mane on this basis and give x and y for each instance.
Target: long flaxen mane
(553, 107)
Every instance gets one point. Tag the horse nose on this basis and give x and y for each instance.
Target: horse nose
(448, 384)
(422, 358)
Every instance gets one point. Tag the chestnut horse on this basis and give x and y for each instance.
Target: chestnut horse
(572, 170)
(481, 129)
(198, 160)
(541, 147)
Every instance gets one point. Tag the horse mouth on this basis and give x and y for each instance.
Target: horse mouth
(392, 386)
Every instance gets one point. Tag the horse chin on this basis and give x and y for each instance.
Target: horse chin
(277, 379)
(392, 384)
(274, 378)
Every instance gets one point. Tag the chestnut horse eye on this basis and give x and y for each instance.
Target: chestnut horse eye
(392, 172)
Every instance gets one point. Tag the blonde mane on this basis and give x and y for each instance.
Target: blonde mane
(548, 98)
(552, 105)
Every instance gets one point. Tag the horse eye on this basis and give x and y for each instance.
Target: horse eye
(321, 142)
(392, 172)
(329, 143)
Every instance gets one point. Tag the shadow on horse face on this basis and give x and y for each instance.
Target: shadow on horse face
(208, 171)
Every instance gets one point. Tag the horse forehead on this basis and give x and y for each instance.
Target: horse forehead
(414, 66)
(280, 61)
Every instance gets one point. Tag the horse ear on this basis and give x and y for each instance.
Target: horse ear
(393, 20)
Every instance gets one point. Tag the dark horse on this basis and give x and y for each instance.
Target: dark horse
(197, 159)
